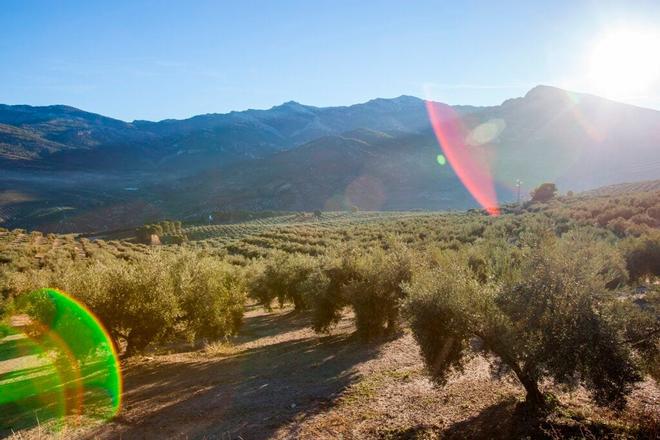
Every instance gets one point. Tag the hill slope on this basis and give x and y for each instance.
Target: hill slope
(376, 155)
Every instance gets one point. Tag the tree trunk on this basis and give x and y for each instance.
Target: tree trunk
(534, 396)
(135, 344)
(298, 303)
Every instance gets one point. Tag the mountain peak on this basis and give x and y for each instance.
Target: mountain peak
(292, 105)
(406, 98)
(403, 99)
(543, 91)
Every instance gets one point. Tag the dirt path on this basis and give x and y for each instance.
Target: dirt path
(282, 371)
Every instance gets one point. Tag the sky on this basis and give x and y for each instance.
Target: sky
(163, 59)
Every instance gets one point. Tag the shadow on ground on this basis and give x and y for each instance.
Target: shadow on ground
(512, 418)
(250, 394)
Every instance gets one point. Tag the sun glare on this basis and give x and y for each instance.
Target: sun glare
(625, 63)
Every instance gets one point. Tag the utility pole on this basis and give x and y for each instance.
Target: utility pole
(518, 184)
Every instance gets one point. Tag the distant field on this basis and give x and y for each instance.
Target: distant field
(310, 234)
(304, 233)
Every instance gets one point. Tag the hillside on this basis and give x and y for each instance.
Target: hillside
(252, 133)
(368, 169)
(91, 171)
(625, 188)
(239, 384)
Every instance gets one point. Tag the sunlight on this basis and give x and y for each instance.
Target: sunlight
(625, 63)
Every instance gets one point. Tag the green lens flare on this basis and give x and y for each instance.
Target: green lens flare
(441, 159)
(56, 362)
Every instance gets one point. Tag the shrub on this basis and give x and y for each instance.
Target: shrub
(439, 308)
(136, 301)
(371, 283)
(151, 297)
(375, 291)
(175, 238)
(282, 278)
(642, 255)
(597, 257)
(639, 316)
(490, 260)
(544, 192)
(549, 322)
(645, 220)
(654, 212)
(212, 296)
(325, 295)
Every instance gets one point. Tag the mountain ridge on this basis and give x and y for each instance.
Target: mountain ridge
(298, 157)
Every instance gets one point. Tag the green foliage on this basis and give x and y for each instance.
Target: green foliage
(596, 255)
(630, 215)
(149, 299)
(369, 282)
(642, 255)
(544, 192)
(445, 307)
(283, 278)
(239, 216)
(137, 302)
(325, 293)
(211, 295)
(175, 238)
(553, 321)
(166, 228)
(639, 316)
(375, 289)
(491, 259)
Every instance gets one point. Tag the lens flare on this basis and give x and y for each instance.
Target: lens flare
(59, 363)
(486, 132)
(470, 162)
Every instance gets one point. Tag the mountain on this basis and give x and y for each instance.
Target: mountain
(579, 141)
(30, 134)
(66, 169)
(60, 137)
(369, 169)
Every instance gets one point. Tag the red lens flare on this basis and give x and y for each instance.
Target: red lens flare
(469, 162)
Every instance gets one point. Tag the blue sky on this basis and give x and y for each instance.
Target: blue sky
(161, 59)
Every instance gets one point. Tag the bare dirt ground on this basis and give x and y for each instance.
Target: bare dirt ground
(280, 380)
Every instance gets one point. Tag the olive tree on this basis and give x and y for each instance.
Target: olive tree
(211, 295)
(151, 297)
(552, 321)
(544, 192)
(642, 255)
(369, 282)
(282, 277)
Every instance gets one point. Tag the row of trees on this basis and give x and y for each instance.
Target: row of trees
(368, 282)
(152, 298)
(546, 309)
(538, 293)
